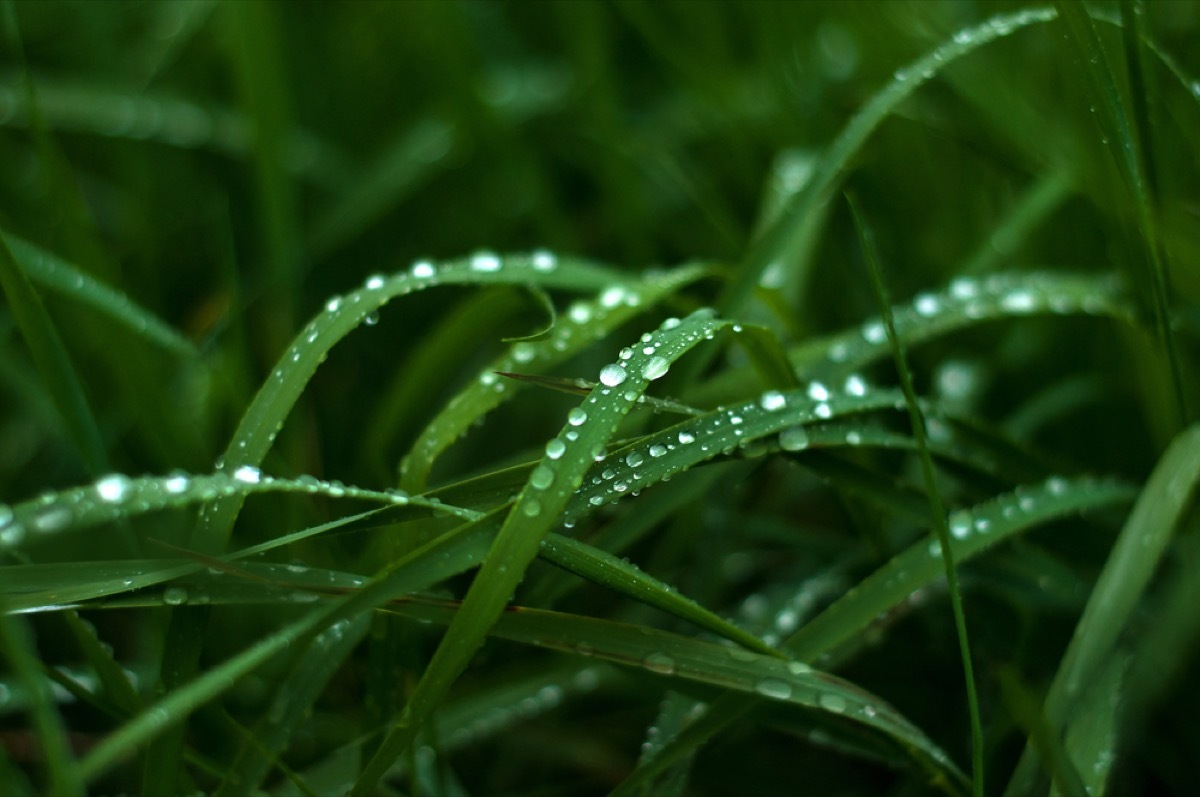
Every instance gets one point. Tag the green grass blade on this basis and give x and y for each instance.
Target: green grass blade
(588, 429)
(1126, 575)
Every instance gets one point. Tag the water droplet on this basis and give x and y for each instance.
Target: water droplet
(576, 416)
(657, 450)
(175, 596)
(856, 385)
(1019, 302)
(660, 663)
(874, 332)
(555, 448)
(542, 477)
(374, 282)
(633, 459)
(927, 305)
(248, 474)
(422, 269)
(853, 438)
(686, 437)
(485, 262)
(774, 688)
(613, 296)
(371, 318)
(544, 260)
(831, 702)
(818, 392)
(822, 410)
(798, 668)
(656, 367)
(772, 400)
(333, 304)
(1056, 485)
(112, 488)
(671, 323)
(580, 313)
(11, 533)
(52, 518)
(794, 438)
(532, 508)
(960, 524)
(612, 375)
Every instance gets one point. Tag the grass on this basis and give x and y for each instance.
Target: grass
(619, 453)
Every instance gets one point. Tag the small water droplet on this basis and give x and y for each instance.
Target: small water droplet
(542, 477)
(633, 459)
(686, 437)
(555, 448)
(874, 332)
(856, 385)
(576, 417)
(612, 375)
(818, 392)
(532, 508)
(247, 474)
(374, 282)
(831, 702)
(485, 262)
(660, 663)
(794, 438)
(657, 450)
(333, 304)
(772, 400)
(112, 488)
(423, 269)
(960, 524)
(774, 688)
(823, 410)
(1019, 302)
(798, 668)
(544, 260)
(175, 596)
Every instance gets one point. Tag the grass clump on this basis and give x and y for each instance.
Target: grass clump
(605, 462)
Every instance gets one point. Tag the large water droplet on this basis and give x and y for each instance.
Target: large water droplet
(374, 282)
(772, 400)
(660, 663)
(612, 375)
(774, 688)
(175, 596)
(542, 477)
(112, 488)
(818, 392)
(576, 417)
(794, 438)
(555, 448)
(177, 483)
(656, 367)
(831, 702)
(248, 474)
(544, 260)
(633, 459)
(485, 262)
(960, 524)
(686, 437)
(423, 269)
(657, 450)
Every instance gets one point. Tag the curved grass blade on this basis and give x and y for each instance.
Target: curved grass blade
(342, 314)
(52, 361)
(60, 276)
(1121, 584)
(584, 323)
(116, 497)
(972, 531)
(791, 236)
(683, 659)
(589, 427)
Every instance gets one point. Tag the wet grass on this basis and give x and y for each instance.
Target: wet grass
(473, 398)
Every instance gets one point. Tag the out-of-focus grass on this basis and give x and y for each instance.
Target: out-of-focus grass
(247, 551)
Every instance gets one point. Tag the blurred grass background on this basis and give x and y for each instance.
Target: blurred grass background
(232, 165)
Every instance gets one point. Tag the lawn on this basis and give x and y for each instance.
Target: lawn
(671, 398)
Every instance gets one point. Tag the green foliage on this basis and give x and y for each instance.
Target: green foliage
(619, 454)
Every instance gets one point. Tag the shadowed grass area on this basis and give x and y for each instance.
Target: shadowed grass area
(448, 398)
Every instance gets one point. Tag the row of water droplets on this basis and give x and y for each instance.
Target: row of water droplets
(117, 496)
(721, 431)
(970, 299)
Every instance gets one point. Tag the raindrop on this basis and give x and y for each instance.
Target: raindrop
(555, 448)
(580, 313)
(611, 297)
(834, 703)
(248, 474)
(660, 663)
(533, 508)
(633, 459)
(112, 488)
(856, 385)
(175, 596)
(374, 282)
(485, 262)
(544, 260)
(873, 332)
(542, 477)
(576, 416)
(927, 305)
(853, 438)
(794, 438)
(817, 392)
(686, 437)
(798, 668)
(656, 367)
(822, 410)
(333, 304)
(657, 450)
(775, 688)
(423, 269)
(960, 524)
(371, 319)
(52, 518)
(772, 400)
(1018, 302)
(612, 375)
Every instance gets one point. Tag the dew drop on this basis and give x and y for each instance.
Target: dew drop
(333, 304)
(873, 332)
(818, 392)
(544, 260)
(612, 375)
(686, 437)
(633, 459)
(532, 508)
(422, 269)
(485, 262)
(555, 448)
(794, 438)
(660, 663)
(175, 596)
(927, 305)
(960, 524)
(834, 703)
(772, 400)
(1018, 302)
(657, 450)
(112, 488)
(576, 416)
(248, 474)
(822, 410)
(856, 385)
(52, 518)
(774, 688)
(613, 296)
(798, 668)
(656, 367)
(374, 282)
(542, 477)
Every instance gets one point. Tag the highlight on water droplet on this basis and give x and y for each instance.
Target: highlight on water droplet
(544, 260)
(112, 488)
(485, 261)
(656, 367)
(422, 269)
(374, 282)
(612, 375)
(248, 474)
(576, 417)
(772, 400)
(555, 448)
